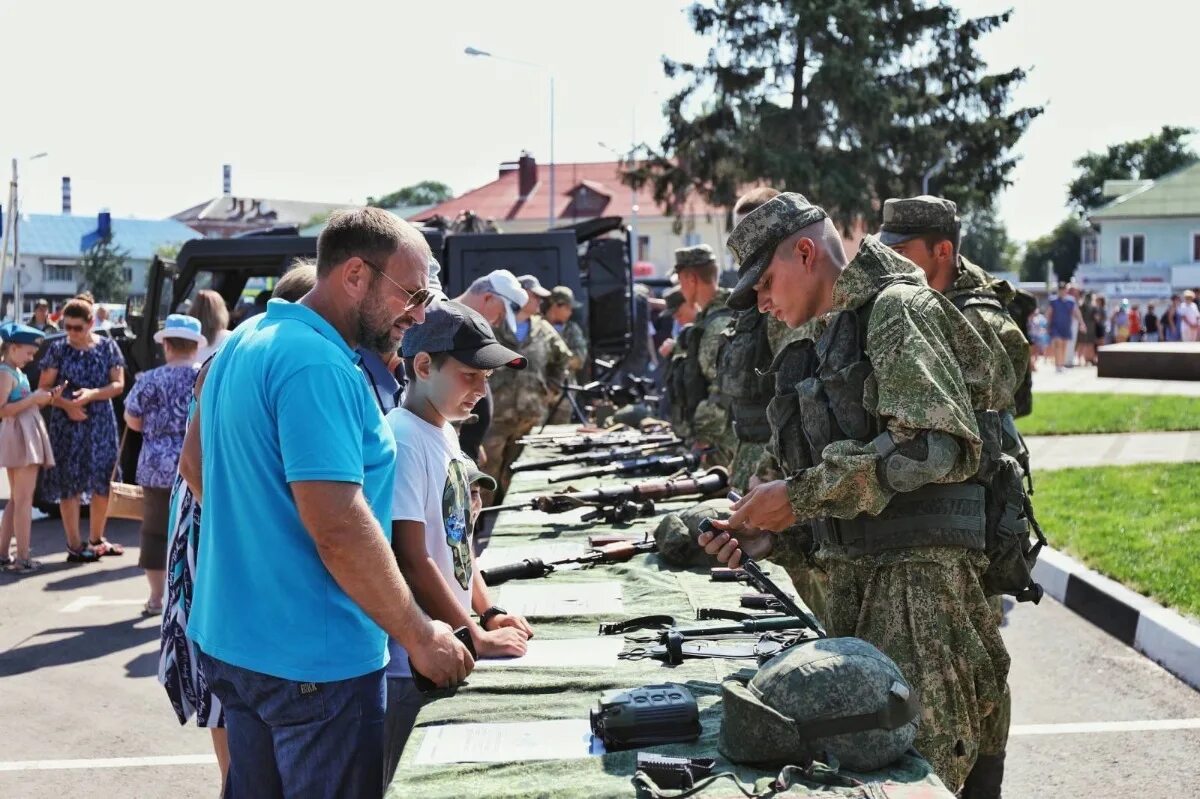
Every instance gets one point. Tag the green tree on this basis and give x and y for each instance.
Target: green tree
(1139, 159)
(427, 192)
(985, 241)
(847, 101)
(1060, 247)
(104, 272)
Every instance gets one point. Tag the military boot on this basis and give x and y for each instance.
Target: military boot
(985, 778)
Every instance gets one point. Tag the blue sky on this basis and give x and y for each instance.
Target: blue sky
(141, 102)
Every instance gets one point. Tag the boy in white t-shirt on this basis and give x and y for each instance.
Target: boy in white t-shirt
(448, 359)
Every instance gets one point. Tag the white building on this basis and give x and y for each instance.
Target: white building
(1145, 243)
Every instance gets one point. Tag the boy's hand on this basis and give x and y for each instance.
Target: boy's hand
(501, 620)
(731, 551)
(507, 642)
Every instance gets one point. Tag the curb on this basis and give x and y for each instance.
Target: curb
(1163, 635)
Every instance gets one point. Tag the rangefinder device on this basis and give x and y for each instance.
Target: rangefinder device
(646, 716)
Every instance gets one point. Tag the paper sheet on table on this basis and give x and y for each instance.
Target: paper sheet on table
(563, 599)
(548, 551)
(535, 518)
(595, 652)
(565, 739)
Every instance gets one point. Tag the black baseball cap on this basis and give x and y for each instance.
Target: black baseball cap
(460, 332)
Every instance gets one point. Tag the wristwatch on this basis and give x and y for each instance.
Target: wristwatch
(490, 614)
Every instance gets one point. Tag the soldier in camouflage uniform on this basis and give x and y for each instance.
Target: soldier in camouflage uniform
(926, 231)
(673, 354)
(520, 402)
(561, 306)
(875, 430)
(710, 425)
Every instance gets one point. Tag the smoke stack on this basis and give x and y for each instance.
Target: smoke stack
(227, 182)
(527, 175)
(66, 195)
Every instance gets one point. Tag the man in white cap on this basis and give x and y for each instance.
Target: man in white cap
(497, 297)
(521, 399)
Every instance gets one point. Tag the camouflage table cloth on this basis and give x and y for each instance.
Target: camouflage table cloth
(512, 694)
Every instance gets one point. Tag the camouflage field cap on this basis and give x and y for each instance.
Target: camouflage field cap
(826, 698)
(755, 238)
(676, 534)
(674, 300)
(699, 255)
(907, 218)
(562, 295)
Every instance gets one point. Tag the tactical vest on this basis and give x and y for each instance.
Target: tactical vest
(819, 400)
(743, 376)
(692, 382)
(677, 388)
(1018, 310)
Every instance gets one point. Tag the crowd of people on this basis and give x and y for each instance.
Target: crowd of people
(1073, 324)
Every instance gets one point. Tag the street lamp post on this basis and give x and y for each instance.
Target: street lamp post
(473, 51)
(10, 234)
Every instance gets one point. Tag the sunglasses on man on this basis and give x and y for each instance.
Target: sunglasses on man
(422, 297)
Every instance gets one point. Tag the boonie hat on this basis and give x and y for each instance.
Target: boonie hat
(533, 286)
(562, 295)
(698, 255)
(907, 218)
(15, 333)
(504, 284)
(462, 333)
(182, 326)
(755, 238)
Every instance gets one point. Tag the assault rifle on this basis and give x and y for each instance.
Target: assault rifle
(532, 568)
(624, 503)
(652, 464)
(575, 444)
(597, 457)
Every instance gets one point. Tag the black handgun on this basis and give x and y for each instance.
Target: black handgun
(428, 686)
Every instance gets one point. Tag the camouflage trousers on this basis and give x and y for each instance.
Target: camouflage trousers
(501, 450)
(745, 464)
(994, 737)
(810, 580)
(925, 608)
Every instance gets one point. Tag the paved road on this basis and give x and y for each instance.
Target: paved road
(77, 668)
(1083, 380)
(1112, 449)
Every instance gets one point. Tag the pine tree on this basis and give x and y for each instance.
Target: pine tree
(104, 272)
(846, 101)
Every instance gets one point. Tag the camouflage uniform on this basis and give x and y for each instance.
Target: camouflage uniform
(921, 603)
(576, 341)
(711, 423)
(1007, 360)
(521, 398)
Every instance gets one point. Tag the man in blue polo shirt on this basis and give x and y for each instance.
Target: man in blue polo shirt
(297, 590)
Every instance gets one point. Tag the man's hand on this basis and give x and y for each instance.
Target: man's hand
(442, 657)
(732, 551)
(510, 620)
(766, 507)
(666, 348)
(507, 642)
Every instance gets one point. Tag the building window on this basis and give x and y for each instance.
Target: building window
(643, 248)
(1133, 249)
(63, 273)
(127, 274)
(1196, 248)
(1089, 254)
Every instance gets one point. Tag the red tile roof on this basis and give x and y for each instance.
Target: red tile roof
(500, 200)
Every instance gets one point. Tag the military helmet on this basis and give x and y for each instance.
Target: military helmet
(676, 534)
(829, 698)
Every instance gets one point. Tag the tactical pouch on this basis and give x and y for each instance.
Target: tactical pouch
(816, 420)
(933, 515)
(1010, 521)
(843, 373)
(787, 434)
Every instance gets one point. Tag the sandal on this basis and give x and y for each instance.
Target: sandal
(84, 554)
(5, 562)
(152, 610)
(26, 566)
(103, 547)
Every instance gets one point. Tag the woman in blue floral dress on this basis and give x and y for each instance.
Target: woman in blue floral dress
(83, 427)
(157, 407)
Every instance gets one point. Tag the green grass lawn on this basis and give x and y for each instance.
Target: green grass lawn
(1139, 525)
(1056, 414)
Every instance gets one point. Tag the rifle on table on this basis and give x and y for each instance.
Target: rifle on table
(532, 568)
(651, 464)
(624, 503)
(633, 438)
(639, 450)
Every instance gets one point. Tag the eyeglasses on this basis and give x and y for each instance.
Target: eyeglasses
(422, 297)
